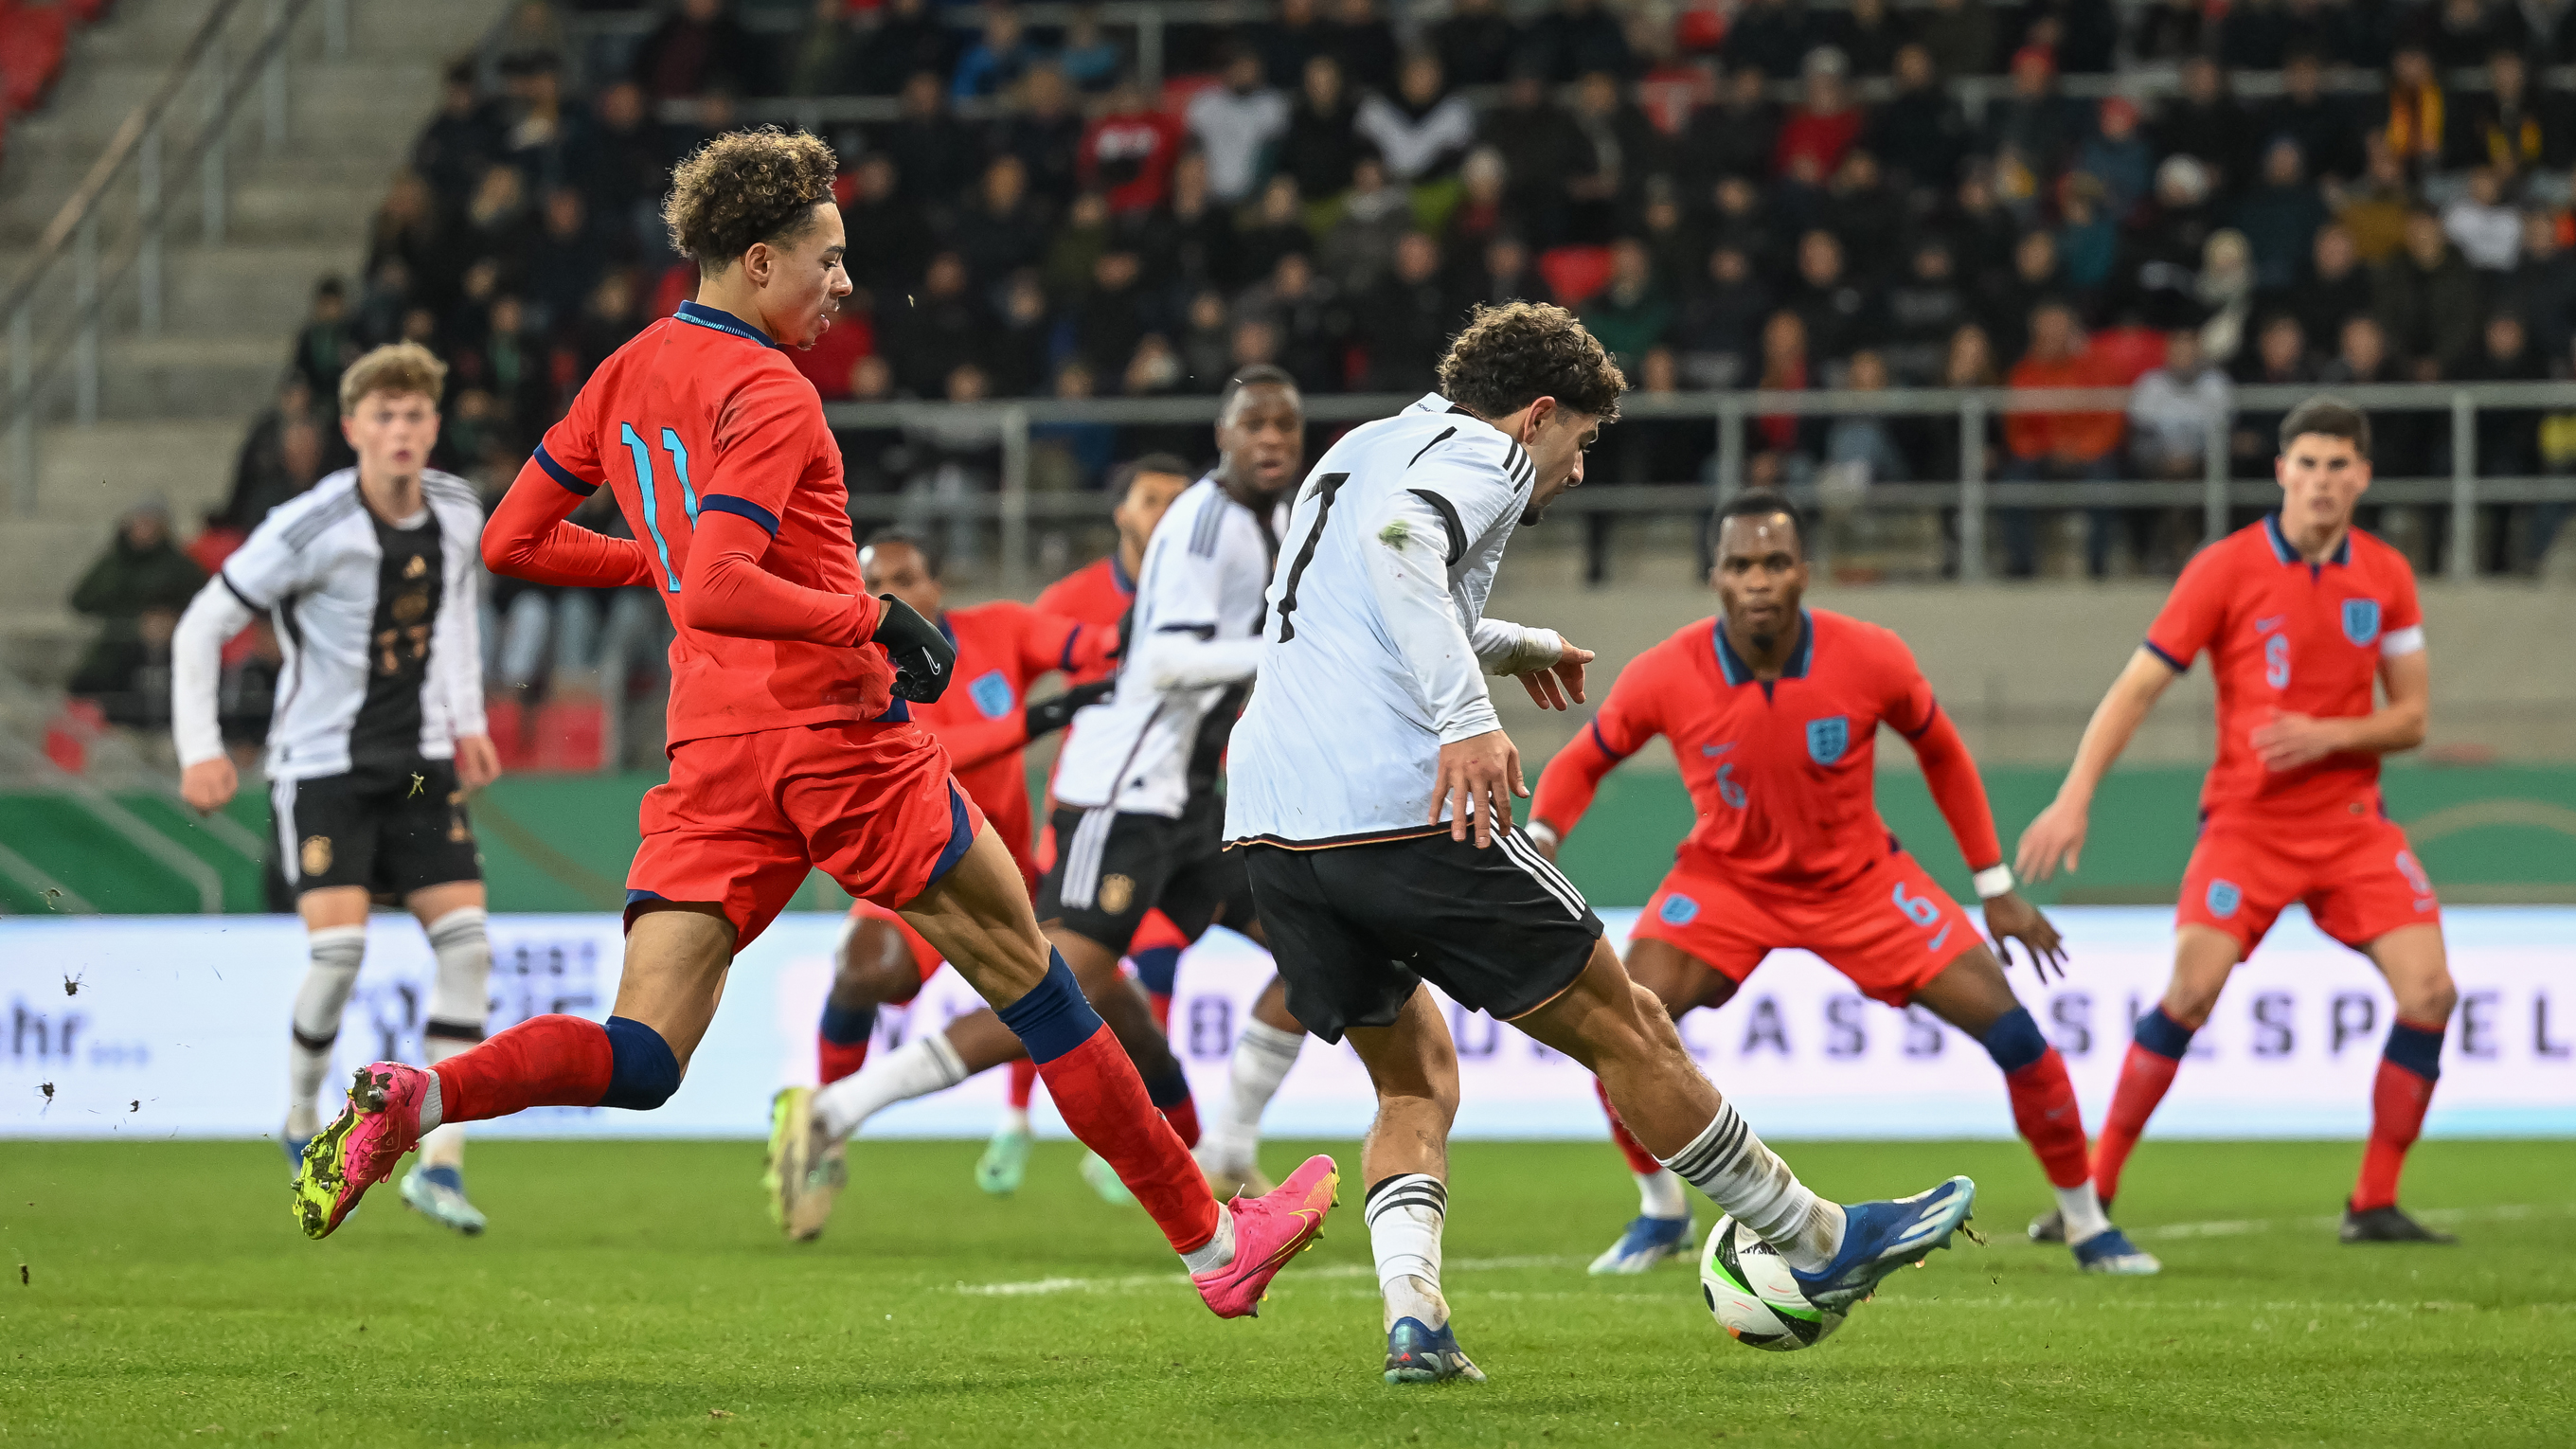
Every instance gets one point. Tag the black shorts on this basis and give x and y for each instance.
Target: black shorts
(1111, 867)
(1355, 928)
(390, 828)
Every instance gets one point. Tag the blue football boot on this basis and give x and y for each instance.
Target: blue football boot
(1645, 1242)
(2110, 1251)
(1419, 1354)
(1881, 1237)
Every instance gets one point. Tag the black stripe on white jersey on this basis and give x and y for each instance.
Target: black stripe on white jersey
(1210, 524)
(303, 531)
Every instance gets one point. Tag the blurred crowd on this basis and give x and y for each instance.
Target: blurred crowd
(1751, 194)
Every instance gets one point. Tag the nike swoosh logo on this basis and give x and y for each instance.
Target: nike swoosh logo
(2266, 626)
(1296, 1240)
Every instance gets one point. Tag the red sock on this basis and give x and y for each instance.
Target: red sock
(1024, 1075)
(2144, 1076)
(2043, 1102)
(835, 1061)
(2398, 1097)
(1161, 1005)
(1104, 1102)
(1640, 1161)
(1184, 1117)
(545, 1061)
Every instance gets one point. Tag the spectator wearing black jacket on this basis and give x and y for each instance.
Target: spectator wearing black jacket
(1735, 137)
(1541, 147)
(1919, 134)
(1476, 42)
(701, 49)
(906, 40)
(935, 157)
(930, 331)
(1404, 320)
(1364, 43)
(1003, 230)
(1773, 37)
(1577, 37)
(1321, 145)
(2327, 129)
(1045, 132)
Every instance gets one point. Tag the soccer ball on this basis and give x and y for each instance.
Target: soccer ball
(1752, 1295)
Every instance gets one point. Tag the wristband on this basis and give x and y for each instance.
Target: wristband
(1993, 881)
(1544, 833)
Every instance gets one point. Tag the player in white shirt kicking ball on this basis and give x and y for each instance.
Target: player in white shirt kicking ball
(1369, 786)
(378, 732)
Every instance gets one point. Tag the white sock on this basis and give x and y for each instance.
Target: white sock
(919, 1067)
(1659, 1195)
(330, 974)
(1216, 1252)
(1404, 1215)
(1757, 1189)
(431, 1114)
(1262, 1056)
(2082, 1209)
(1015, 1119)
(441, 1145)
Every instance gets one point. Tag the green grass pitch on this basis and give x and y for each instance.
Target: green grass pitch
(634, 1292)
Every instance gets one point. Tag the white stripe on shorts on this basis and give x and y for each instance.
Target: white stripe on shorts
(1082, 858)
(1528, 859)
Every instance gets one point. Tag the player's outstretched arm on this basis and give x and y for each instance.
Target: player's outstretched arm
(1566, 788)
(530, 538)
(2057, 836)
(2288, 741)
(206, 777)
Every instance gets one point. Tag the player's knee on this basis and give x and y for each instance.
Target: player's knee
(459, 995)
(643, 1071)
(2429, 1000)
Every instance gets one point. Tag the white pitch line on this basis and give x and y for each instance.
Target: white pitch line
(2217, 1228)
(1138, 1282)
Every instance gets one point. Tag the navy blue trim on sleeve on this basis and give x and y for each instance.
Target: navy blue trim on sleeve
(1924, 728)
(740, 508)
(2178, 666)
(562, 474)
(1601, 743)
(254, 605)
(1065, 661)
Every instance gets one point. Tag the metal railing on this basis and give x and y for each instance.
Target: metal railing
(1014, 507)
(40, 348)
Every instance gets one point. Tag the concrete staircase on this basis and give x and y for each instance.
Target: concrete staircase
(173, 407)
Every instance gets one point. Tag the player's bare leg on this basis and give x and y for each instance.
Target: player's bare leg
(676, 957)
(1972, 995)
(1661, 1230)
(1405, 1161)
(978, 917)
(2419, 975)
(1264, 1051)
(1623, 1034)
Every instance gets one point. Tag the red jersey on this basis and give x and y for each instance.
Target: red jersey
(700, 415)
(2287, 636)
(1780, 771)
(1099, 594)
(980, 720)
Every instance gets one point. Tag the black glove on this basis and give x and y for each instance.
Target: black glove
(1049, 715)
(923, 657)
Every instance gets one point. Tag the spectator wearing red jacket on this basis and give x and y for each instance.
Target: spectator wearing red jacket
(1128, 152)
(2061, 447)
(1825, 124)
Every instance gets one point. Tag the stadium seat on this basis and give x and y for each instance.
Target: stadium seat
(32, 40)
(1575, 274)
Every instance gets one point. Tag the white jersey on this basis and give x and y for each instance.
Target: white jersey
(1376, 649)
(1192, 641)
(383, 659)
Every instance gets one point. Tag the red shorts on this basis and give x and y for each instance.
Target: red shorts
(745, 817)
(1890, 932)
(925, 956)
(2354, 873)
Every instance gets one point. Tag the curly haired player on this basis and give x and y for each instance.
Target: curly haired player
(791, 745)
(1369, 790)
